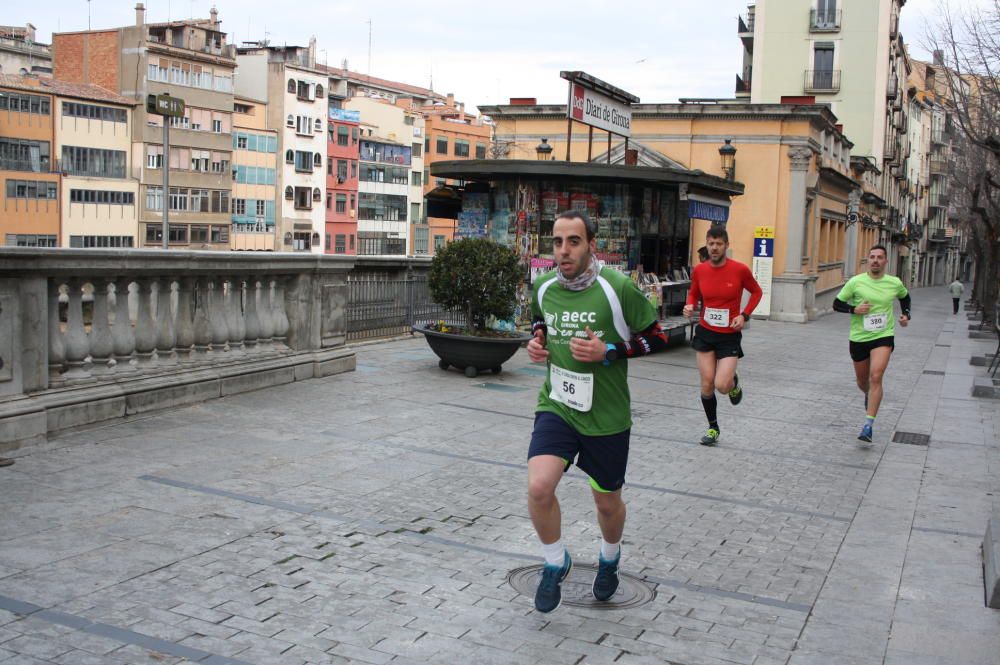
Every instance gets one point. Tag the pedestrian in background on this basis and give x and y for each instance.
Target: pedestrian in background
(957, 289)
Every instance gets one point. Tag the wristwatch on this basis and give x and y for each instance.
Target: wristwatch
(610, 354)
(746, 317)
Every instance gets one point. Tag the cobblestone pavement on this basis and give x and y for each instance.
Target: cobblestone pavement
(373, 517)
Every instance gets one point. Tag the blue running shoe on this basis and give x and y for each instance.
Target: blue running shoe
(606, 582)
(549, 593)
(866, 433)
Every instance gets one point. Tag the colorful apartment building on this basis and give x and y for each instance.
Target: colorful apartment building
(295, 90)
(343, 152)
(449, 133)
(29, 209)
(255, 164)
(188, 59)
(390, 191)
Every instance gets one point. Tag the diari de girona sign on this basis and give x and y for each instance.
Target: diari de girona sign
(597, 110)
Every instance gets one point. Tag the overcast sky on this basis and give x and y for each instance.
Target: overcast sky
(659, 50)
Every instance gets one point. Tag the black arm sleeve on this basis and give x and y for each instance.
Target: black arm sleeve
(904, 305)
(651, 340)
(841, 306)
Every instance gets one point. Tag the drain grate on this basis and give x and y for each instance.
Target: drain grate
(577, 588)
(933, 372)
(912, 438)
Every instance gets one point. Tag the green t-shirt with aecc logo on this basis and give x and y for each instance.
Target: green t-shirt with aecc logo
(881, 292)
(613, 307)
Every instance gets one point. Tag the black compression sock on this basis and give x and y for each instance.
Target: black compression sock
(710, 404)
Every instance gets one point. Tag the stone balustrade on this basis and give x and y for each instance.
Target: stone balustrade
(87, 335)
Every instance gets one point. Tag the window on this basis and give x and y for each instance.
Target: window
(289, 156)
(240, 207)
(303, 91)
(24, 155)
(420, 240)
(290, 121)
(382, 207)
(199, 233)
(417, 178)
(341, 170)
(93, 162)
(241, 142)
(154, 157)
(352, 242)
(303, 198)
(354, 135)
(100, 241)
(21, 103)
(219, 163)
(317, 160)
(480, 150)
(303, 161)
(31, 189)
(329, 199)
(220, 234)
(417, 149)
(319, 91)
(178, 199)
(154, 198)
(217, 126)
(341, 135)
(415, 212)
(243, 108)
(100, 196)
(341, 203)
(303, 125)
(317, 195)
(318, 126)
(438, 242)
(220, 201)
(427, 143)
(461, 148)
(200, 160)
(30, 240)
(823, 66)
(289, 194)
(301, 241)
(339, 247)
(442, 145)
(291, 86)
(93, 112)
(198, 200)
(354, 169)
(329, 167)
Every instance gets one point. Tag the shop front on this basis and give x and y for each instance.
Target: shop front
(644, 215)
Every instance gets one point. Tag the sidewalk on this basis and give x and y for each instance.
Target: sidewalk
(374, 517)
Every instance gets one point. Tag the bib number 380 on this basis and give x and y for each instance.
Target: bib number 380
(875, 322)
(574, 389)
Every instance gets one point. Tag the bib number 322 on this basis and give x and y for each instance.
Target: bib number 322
(718, 317)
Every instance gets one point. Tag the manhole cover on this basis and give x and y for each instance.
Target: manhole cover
(934, 372)
(577, 588)
(911, 438)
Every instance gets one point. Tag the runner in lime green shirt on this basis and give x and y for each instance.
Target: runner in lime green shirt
(587, 321)
(868, 297)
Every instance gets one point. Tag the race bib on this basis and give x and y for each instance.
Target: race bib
(717, 317)
(875, 322)
(573, 389)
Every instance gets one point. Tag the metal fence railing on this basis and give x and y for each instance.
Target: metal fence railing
(383, 304)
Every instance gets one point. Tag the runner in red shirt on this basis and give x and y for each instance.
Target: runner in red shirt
(719, 284)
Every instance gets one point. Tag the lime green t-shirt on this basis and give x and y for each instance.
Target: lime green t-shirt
(881, 292)
(613, 307)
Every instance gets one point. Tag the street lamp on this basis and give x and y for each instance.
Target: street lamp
(728, 154)
(543, 151)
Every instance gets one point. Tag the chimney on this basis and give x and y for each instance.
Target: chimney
(140, 14)
(312, 51)
(451, 100)
(215, 16)
(29, 33)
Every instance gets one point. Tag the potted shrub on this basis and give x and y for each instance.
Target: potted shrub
(479, 278)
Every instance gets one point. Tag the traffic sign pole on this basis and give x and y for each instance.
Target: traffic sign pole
(166, 180)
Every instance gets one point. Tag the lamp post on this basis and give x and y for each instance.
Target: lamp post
(728, 154)
(543, 151)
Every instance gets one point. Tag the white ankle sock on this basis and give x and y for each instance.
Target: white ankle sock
(610, 550)
(554, 553)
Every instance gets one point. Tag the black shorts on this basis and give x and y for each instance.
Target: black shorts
(725, 345)
(603, 458)
(861, 351)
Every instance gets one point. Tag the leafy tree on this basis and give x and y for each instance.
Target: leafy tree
(477, 277)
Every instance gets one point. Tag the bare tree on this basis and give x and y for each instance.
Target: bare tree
(966, 43)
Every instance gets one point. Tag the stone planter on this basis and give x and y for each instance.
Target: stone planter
(469, 353)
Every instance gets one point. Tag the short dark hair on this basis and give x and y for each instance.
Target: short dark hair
(588, 224)
(717, 231)
(882, 247)
(703, 253)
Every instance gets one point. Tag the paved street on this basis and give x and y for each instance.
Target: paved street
(374, 516)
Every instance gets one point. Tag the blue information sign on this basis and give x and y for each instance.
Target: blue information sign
(763, 248)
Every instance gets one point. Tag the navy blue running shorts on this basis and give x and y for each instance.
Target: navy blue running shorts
(603, 458)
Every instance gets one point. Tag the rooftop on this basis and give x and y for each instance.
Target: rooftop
(63, 89)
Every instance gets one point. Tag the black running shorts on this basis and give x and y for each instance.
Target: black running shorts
(725, 345)
(861, 351)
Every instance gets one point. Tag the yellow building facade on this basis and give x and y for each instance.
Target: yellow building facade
(793, 159)
(255, 155)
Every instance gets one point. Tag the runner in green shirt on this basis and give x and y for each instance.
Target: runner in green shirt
(584, 317)
(868, 297)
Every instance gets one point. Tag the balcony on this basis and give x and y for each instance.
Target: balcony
(742, 87)
(940, 167)
(745, 24)
(939, 200)
(893, 26)
(821, 80)
(824, 20)
(940, 137)
(938, 235)
(892, 88)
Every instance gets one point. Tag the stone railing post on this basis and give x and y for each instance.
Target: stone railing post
(280, 315)
(57, 349)
(145, 327)
(217, 316)
(77, 344)
(101, 343)
(122, 336)
(252, 320)
(166, 338)
(234, 314)
(185, 325)
(265, 313)
(202, 324)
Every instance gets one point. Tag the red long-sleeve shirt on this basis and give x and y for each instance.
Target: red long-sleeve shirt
(721, 287)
